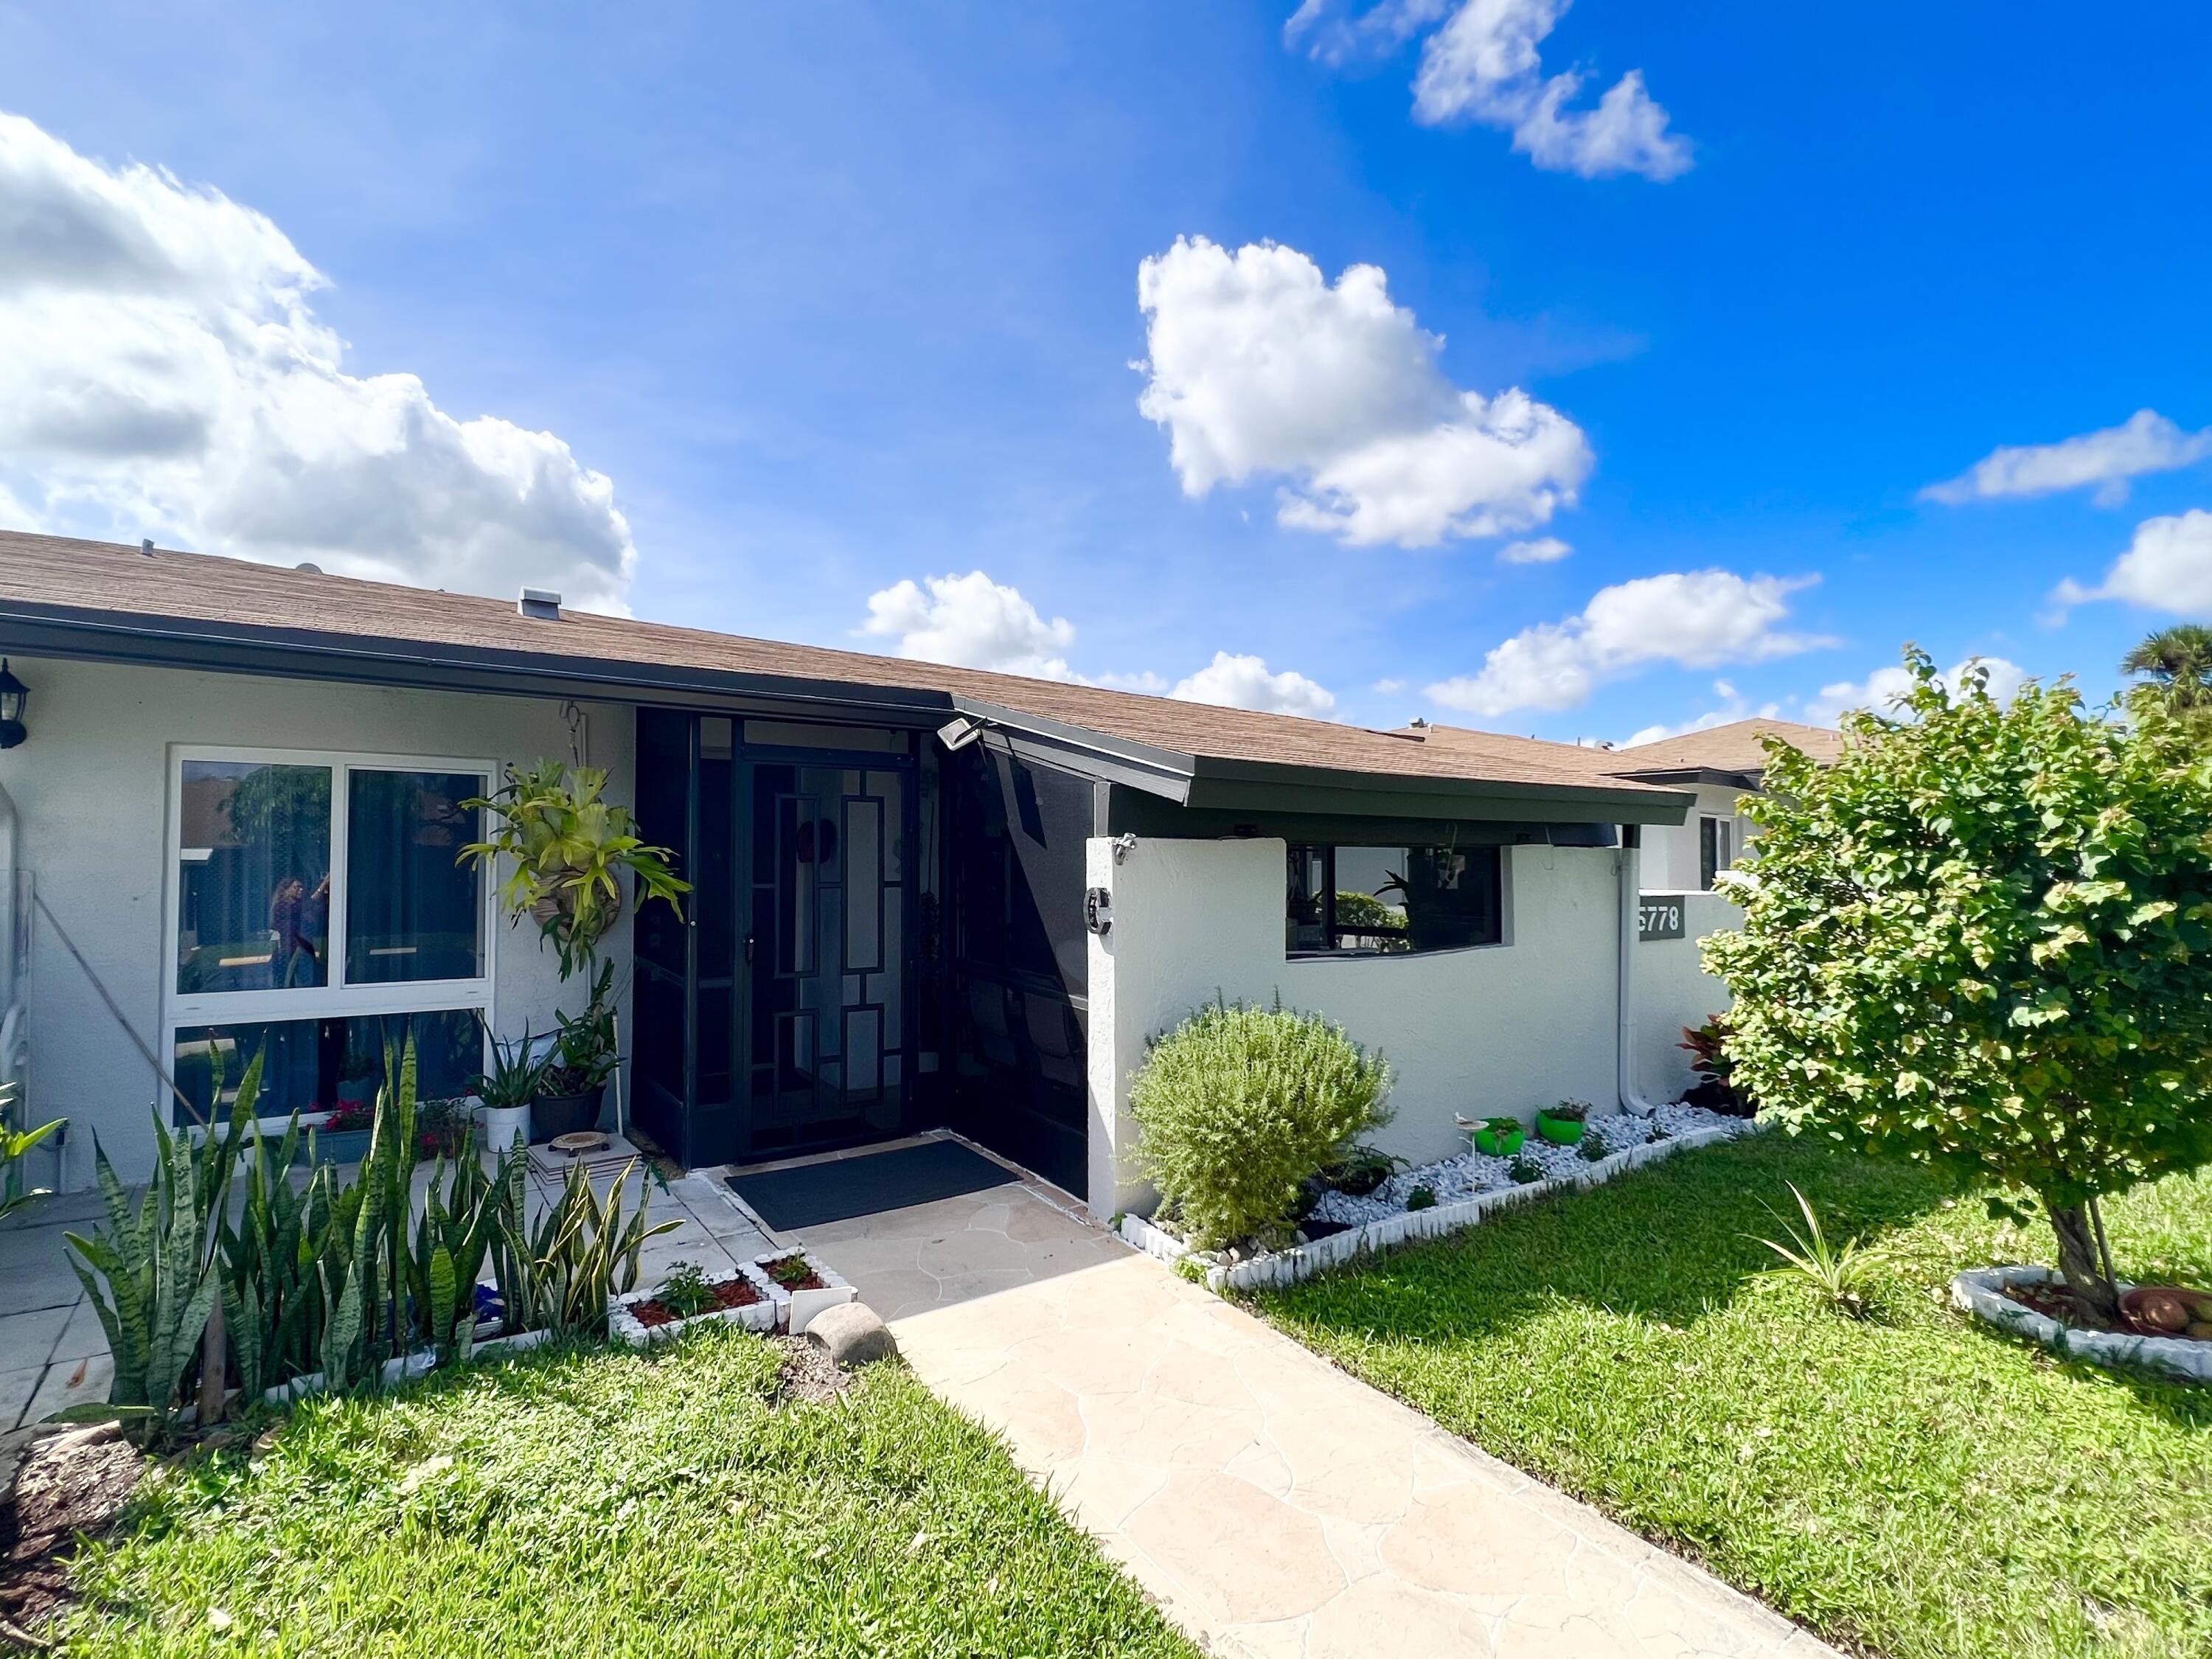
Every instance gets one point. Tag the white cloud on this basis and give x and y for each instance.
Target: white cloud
(1544, 550)
(1696, 619)
(1232, 682)
(2145, 443)
(971, 621)
(162, 372)
(1484, 65)
(1880, 690)
(1259, 365)
(2168, 566)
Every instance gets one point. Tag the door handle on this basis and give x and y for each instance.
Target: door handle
(749, 950)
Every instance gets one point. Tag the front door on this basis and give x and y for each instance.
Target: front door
(830, 912)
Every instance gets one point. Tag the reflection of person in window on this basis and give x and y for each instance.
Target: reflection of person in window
(296, 917)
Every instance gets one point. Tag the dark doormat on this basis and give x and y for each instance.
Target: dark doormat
(840, 1189)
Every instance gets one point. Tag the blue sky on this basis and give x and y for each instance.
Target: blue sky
(841, 297)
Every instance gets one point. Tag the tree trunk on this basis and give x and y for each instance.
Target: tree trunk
(2097, 1297)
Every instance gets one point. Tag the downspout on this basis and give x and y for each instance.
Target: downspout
(1630, 892)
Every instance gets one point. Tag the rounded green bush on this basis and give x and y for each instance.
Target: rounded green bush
(1238, 1106)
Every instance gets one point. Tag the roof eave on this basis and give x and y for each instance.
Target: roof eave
(1233, 785)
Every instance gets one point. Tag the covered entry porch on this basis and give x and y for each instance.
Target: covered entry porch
(885, 937)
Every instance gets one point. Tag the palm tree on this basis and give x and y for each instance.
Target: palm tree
(2177, 662)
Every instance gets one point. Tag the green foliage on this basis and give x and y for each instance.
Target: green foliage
(568, 850)
(583, 1250)
(584, 1054)
(685, 1291)
(1526, 1169)
(2175, 664)
(272, 1290)
(14, 1143)
(1421, 1198)
(1845, 1277)
(1982, 938)
(516, 1078)
(1361, 1170)
(790, 1270)
(1240, 1106)
(152, 1274)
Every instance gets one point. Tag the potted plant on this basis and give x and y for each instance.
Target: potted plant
(571, 852)
(583, 1057)
(357, 1078)
(441, 1128)
(1563, 1125)
(343, 1137)
(505, 1091)
(1499, 1137)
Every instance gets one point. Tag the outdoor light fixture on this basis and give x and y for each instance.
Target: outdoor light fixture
(13, 693)
(958, 733)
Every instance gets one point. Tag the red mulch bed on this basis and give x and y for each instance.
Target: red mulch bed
(70, 1483)
(736, 1293)
(812, 1281)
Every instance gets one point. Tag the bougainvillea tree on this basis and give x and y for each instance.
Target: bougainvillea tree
(1983, 937)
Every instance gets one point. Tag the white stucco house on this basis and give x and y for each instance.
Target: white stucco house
(922, 896)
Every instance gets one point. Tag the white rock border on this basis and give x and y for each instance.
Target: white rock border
(761, 1316)
(1981, 1291)
(799, 1309)
(1274, 1268)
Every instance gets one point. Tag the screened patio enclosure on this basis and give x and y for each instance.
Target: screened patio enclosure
(881, 938)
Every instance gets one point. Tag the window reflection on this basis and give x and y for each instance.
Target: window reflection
(413, 912)
(254, 892)
(1387, 901)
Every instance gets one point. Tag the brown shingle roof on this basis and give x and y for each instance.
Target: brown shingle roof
(45, 578)
(1735, 747)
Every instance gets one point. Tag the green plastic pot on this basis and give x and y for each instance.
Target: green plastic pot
(1560, 1131)
(1491, 1143)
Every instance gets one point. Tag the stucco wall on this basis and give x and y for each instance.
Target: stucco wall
(1670, 851)
(1504, 1029)
(1672, 990)
(88, 786)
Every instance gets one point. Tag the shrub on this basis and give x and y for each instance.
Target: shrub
(1421, 1198)
(1238, 1106)
(1982, 939)
(1526, 1170)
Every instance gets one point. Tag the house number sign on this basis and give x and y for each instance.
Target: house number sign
(1659, 918)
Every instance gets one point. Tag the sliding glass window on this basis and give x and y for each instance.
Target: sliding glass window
(319, 906)
(1392, 901)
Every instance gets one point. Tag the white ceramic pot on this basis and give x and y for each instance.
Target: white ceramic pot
(497, 1125)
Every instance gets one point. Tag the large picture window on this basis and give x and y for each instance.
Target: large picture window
(1391, 900)
(318, 907)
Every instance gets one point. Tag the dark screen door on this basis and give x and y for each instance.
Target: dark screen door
(831, 892)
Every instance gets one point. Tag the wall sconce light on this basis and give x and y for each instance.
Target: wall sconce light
(14, 694)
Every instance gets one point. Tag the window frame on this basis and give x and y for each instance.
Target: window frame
(1337, 953)
(1717, 831)
(338, 999)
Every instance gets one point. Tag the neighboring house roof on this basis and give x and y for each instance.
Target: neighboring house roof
(1735, 748)
(1729, 754)
(93, 600)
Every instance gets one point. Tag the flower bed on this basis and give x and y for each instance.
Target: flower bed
(1465, 1190)
(749, 1299)
(805, 1294)
(1989, 1293)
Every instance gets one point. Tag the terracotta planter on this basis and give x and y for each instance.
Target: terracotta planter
(565, 1114)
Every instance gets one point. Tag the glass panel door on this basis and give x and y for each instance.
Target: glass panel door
(827, 1058)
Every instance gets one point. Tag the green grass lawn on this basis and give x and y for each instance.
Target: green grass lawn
(603, 1503)
(1914, 1486)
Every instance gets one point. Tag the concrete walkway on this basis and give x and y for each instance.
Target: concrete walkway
(1274, 1504)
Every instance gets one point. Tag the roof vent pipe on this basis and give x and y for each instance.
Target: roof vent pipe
(146, 546)
(538, 604)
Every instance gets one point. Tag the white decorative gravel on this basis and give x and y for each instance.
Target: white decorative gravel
(1454, 1179)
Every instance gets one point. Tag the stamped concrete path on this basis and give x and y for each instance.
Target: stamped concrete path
(1274, 1505)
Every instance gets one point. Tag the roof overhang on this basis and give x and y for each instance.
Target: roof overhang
(84, 634)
